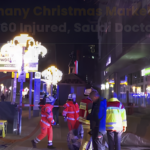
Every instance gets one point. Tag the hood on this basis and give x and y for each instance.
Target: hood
(70, 103)
(113, 100)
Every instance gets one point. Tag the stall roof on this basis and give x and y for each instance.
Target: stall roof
(72, 79)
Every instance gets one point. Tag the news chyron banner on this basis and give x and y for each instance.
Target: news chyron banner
(49, 21)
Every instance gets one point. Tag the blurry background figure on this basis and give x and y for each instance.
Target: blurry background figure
(2, 97)
(56, 111)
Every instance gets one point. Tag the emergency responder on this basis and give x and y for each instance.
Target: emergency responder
(85, 110)
(71, 113)
(116, 122)
(46, 123)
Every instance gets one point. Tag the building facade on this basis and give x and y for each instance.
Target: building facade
(125, 50)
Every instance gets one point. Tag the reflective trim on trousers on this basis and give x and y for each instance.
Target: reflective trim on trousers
(43, 115)
(110, 123)
(70, 118)
(114, 128)
(45, 123)
(124, 120)
(70, 112)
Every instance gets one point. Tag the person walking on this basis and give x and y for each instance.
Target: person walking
(85, 110)
(56, 112)
(46, 123)
(98, 120)
(116, 122)
(71, 114)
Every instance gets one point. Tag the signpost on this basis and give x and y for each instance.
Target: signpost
(14, 88)
(37, 83)
(21, 79)
(30, 93)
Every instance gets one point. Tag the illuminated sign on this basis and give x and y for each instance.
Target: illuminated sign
(108, 61)
(145, 72)
(122, 82)
(13, 75)
(111, 82)
(139, 94)
(11, 54)
(38, 75)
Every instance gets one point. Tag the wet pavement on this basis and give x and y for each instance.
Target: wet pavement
(31, 128)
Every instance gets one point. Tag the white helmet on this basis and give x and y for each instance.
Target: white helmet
(73, 96)
(87, 91)
(50, 99)
(69, 96)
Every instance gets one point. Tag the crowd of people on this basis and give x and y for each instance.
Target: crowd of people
(88, 123)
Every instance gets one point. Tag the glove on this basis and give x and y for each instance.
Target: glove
(65, 119)
(53, 123)
(124, 129)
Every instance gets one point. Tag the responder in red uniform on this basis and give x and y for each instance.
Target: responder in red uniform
(85, 110)
(71, 113)
(46, 123)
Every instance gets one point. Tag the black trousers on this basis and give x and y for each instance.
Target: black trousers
(114, 140)
(56, 115)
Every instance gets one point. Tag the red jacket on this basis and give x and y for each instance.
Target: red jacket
(85, 110)
(47, 115)
(71, 111)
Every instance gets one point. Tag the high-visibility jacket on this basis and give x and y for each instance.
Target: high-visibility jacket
(71, 111)
(116, 115)
(47, 115)
(85, 110)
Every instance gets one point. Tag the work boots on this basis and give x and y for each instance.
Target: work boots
(33, 144)
(50, 145)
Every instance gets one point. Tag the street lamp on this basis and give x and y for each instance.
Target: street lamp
(52, 76)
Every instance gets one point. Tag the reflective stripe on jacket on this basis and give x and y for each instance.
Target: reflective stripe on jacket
(85, 110)
(116, 115)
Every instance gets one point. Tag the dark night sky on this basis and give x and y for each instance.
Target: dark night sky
(59, 45)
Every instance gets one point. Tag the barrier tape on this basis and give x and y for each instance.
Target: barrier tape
(28, 105)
